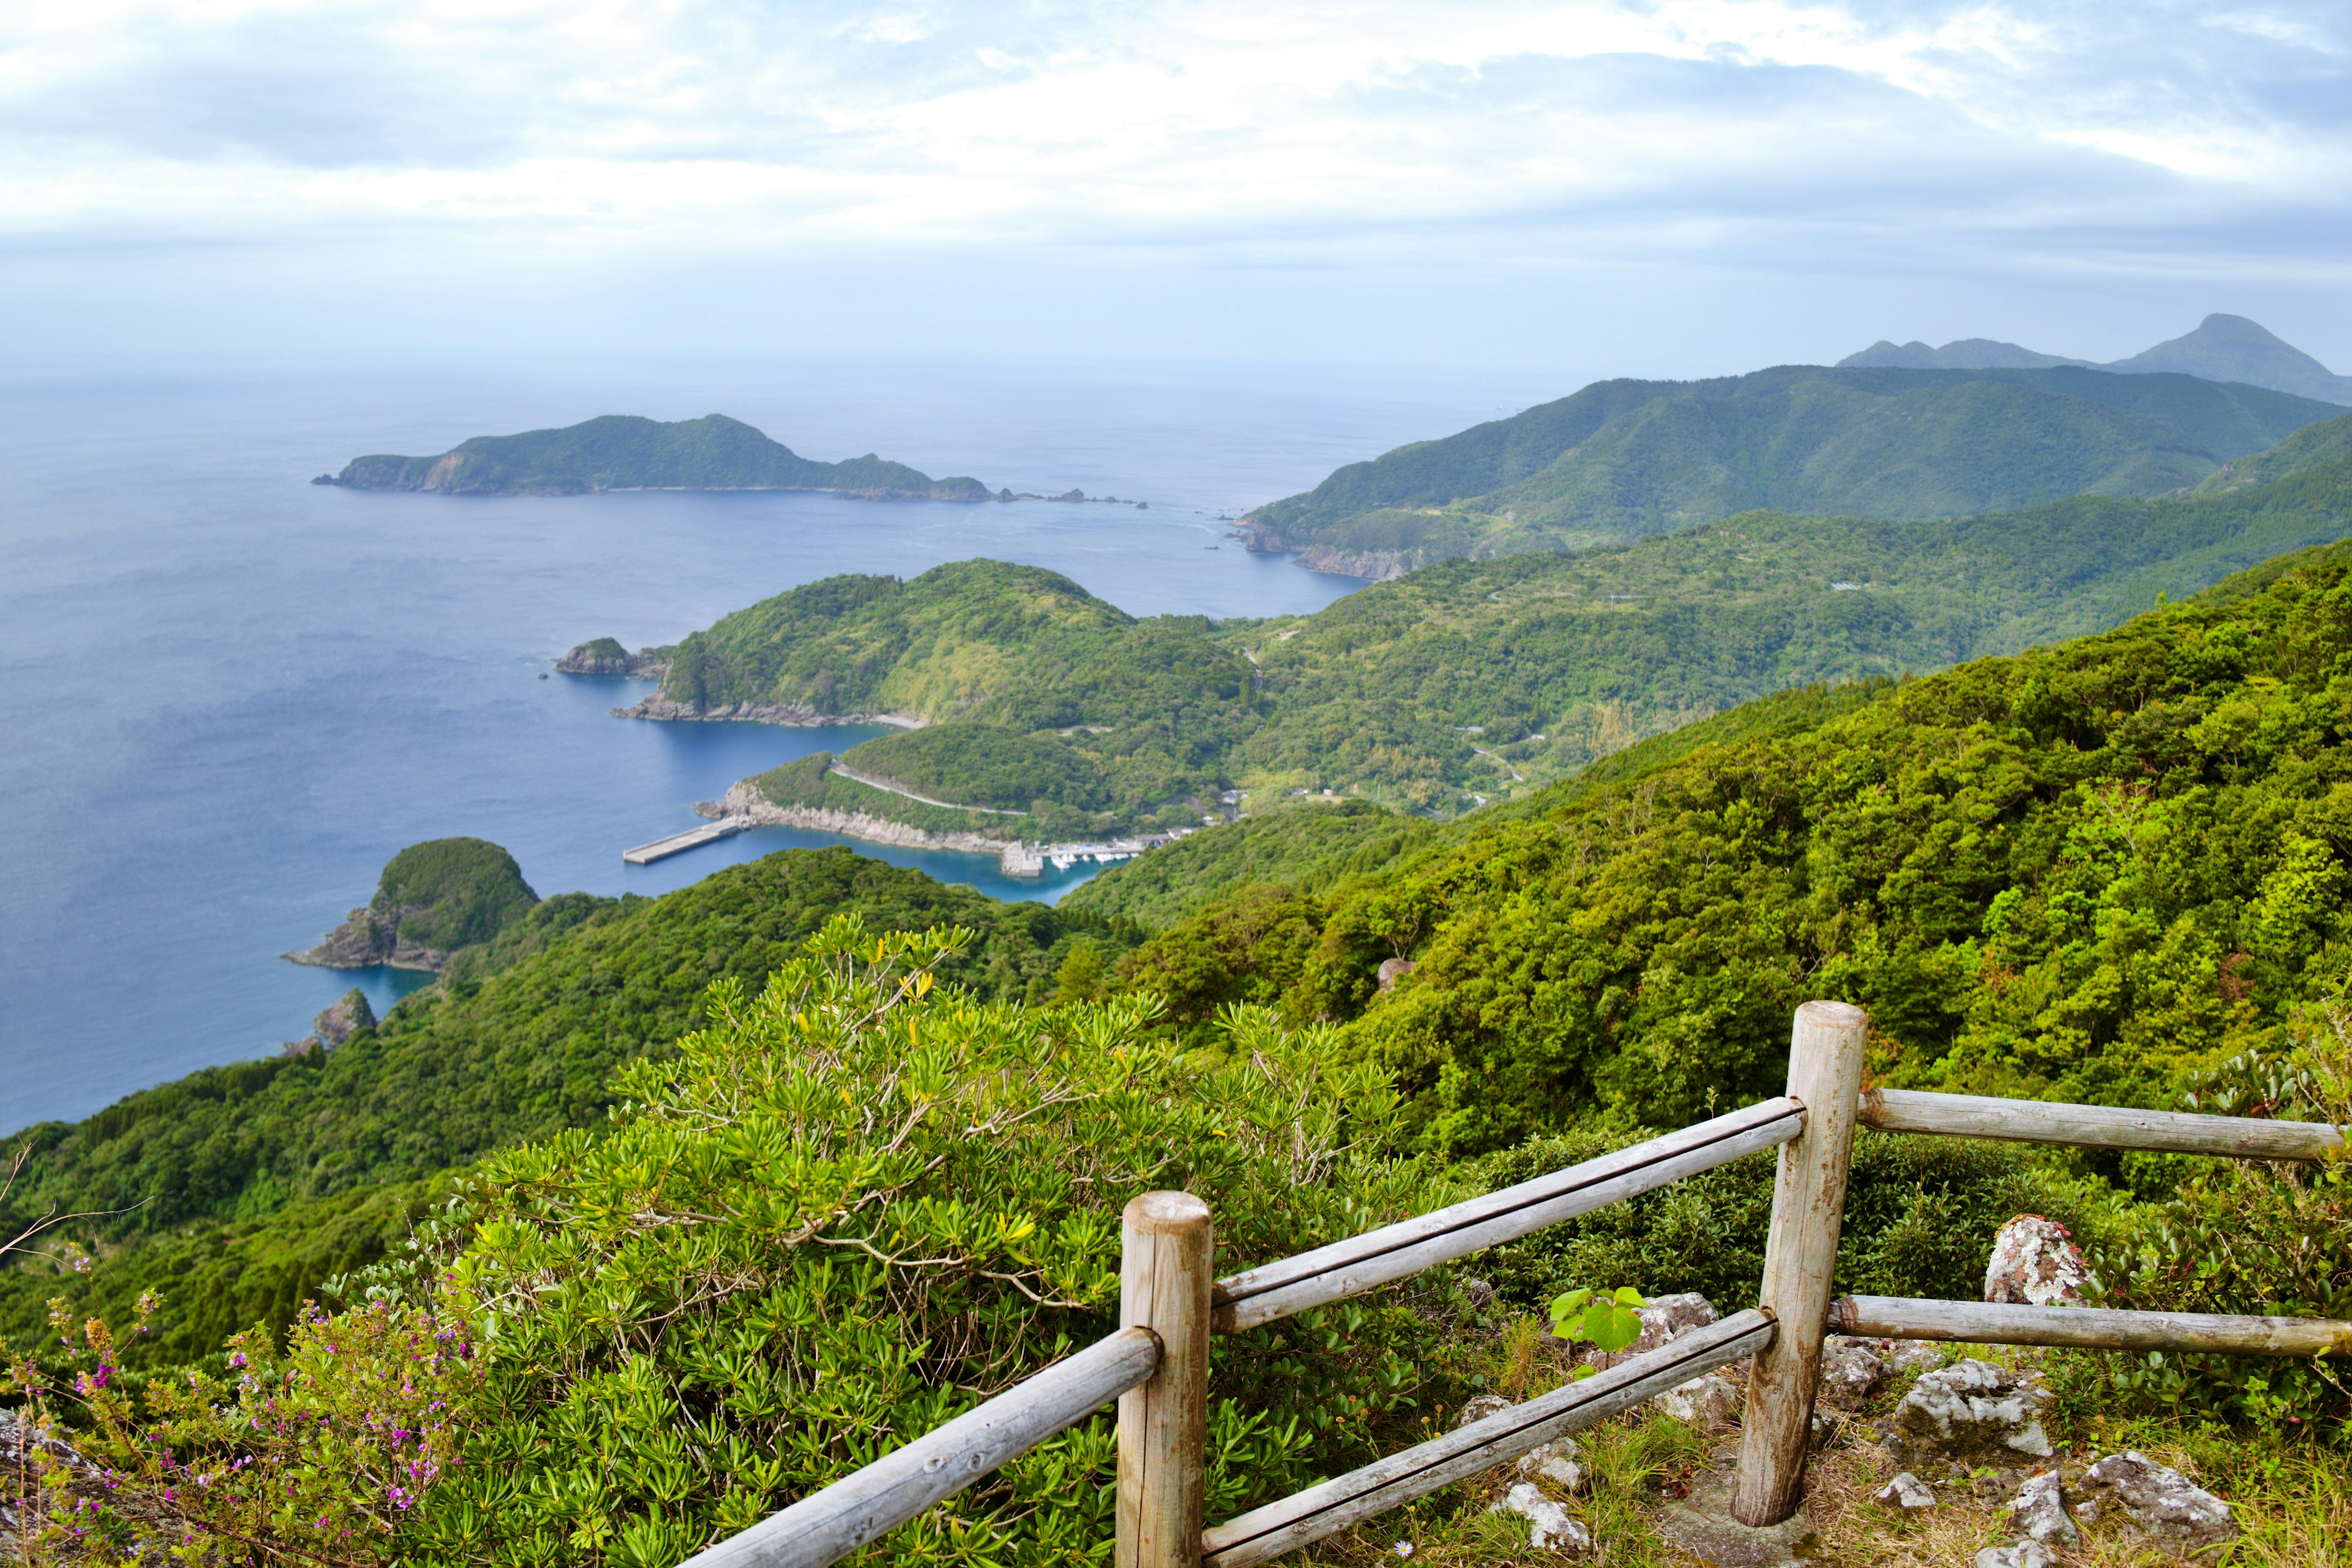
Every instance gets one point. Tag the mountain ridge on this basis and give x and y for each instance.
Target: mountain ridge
(2222, 348)
(1623, 459)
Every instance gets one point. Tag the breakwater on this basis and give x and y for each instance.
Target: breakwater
(1014, 859)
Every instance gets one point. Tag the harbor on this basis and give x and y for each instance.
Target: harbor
(692, 838)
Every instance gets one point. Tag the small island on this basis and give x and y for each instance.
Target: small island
(605, 656)
(624, 452)
(433, 899)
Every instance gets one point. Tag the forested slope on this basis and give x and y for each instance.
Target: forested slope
(1466, 681)
(1625, 459)
(265, 1177)
(2089, 871)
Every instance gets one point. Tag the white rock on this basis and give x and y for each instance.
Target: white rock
(1553, 1461)
(1851, 1371)
(1481, 1408)
(1708, 1401)
(1973, 1408)
(1549, 1528)
(2040, 1508)
(2034, 1264)
(1909, 1355)
(2161, 1503)
(2024, 1554)
(1906, 1490)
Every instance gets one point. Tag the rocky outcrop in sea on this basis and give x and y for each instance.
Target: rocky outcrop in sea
(330, 1028)
(606, 657)
(369, 938)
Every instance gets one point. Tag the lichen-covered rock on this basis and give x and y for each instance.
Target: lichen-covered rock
(1481, 1408)
(1851, 1373)
(1703, 1402)
(1554, 1461)
(1905, 1491)
(1664, 1320)
(1550, 1528)
(1973, 1410)
(2040, 1509)
(2034, 1263)
(2158, 1503)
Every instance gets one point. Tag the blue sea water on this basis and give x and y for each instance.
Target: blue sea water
(231, 695)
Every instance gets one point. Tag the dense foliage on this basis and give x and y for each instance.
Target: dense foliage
(1464, 682)
(2081, 872)
(1038, 690)
(294, 1169)
(1308, 846)
(624, 452)
(448, 893)
(1622, 459)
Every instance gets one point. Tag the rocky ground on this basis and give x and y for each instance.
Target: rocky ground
(1925, 1457)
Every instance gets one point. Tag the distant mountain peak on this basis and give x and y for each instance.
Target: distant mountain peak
(2222, 348)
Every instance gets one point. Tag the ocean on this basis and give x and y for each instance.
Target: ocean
(233, 695)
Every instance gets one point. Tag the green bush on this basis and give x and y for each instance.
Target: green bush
(447, 892)
(2245, 1236)
(860, 1204)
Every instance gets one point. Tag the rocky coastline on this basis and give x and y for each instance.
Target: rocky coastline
(743, 801)
(606, 657)
(1376, 565)
(369, 939)
(797, 715)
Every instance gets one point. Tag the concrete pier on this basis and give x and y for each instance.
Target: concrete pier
(692, 838)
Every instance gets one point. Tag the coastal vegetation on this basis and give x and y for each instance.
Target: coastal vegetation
(1465, 682)
(674, 1165)
(433, 899)
(622, 452)
(1625, 459)
(243, 1187)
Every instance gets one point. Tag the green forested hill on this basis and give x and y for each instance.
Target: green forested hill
(1624, 459)
(622, 452)
(2090, 871)
(1467, 680)
(1041, 696)
(245, 1185)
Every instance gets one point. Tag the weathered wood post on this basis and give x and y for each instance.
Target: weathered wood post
(1163, 1286)
(1799, 1255)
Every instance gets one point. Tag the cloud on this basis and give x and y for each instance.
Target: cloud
(2076, 139)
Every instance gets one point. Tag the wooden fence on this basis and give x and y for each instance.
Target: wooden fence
(1157, 1365)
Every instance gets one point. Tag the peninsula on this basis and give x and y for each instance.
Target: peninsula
(624, 452)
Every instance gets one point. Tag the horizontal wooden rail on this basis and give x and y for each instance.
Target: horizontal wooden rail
(2097, 1126)
(1349, 1267)
(1335, 1505)
(827, 1526)
(2087, 1328)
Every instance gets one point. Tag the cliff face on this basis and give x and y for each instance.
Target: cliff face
(372, 937)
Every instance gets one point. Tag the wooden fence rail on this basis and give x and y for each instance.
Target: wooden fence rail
(1359, 1495)
(2087, 1328)
(1156, 1366)
(2097, 1126)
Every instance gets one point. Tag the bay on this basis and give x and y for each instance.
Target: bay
(231, 695)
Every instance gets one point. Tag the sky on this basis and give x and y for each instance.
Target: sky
(1576, 187)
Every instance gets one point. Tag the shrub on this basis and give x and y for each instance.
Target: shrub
(857, 1205)
(2249, 1236)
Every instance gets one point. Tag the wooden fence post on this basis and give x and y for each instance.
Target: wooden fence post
(1163, 1284)
(1799, 1255)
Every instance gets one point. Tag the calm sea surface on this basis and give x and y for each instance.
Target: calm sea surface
(230, 696)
